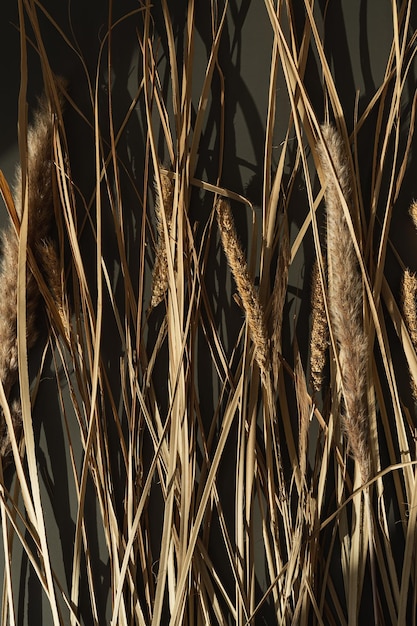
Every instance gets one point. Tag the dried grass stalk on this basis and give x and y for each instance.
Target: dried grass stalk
(39, 169)
(278, 301)
(345, 298)
(163, 207)
(248, 294)
(304, 411)
(319, 342)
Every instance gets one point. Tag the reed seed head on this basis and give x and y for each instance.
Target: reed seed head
(319, 342)
(249, 296)
(163, 211)
(345, 297)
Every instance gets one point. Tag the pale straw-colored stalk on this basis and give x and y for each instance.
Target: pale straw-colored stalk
(278, 301)
(304, 412)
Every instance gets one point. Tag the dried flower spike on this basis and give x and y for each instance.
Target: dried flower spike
(163, 208)
(409, 305)
(248, 295)
(345, 298)
(319, 342)
(413, 212)
(40, 171)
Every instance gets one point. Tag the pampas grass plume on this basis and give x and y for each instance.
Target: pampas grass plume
(39, 168)
(345, 298)
(409, 301)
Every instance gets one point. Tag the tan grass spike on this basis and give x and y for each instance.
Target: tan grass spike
(246, 289)
(345, 297)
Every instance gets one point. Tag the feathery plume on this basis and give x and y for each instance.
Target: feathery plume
(345, 298)
(409, 302)
(319, 331)
(409, 294)
(163, 206)
(40, 214)
(48, 260)
(252, 306)
(413, 212)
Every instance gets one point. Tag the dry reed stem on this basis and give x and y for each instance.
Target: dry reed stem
(304, 412)
(163, 211)
(250, 301)
(345, 298)
(278, 301)
(319, 341)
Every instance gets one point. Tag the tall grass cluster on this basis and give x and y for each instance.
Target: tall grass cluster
(228, 431)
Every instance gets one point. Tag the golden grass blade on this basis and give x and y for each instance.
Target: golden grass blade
(228, 418)
(203, 101)
(407, 566)
(304, 413)
(278, 302)
(22, 337)
(7, 196)
(8, 599)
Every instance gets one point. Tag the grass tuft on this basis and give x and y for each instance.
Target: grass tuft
(182, 473)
